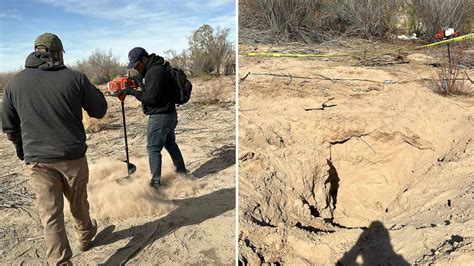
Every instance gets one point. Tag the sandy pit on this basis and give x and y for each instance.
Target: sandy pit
(345, 162)
(188, 221)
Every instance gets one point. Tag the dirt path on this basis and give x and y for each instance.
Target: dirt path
(340, 161)
(186, 221)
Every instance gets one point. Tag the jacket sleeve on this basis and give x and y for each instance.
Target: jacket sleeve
(93, 101)
(11, 123)
(154, 88)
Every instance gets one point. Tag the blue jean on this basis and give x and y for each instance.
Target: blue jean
(160, 133)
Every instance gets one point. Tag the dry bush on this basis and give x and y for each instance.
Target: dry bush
(431, 15)
(315, 20)
(100, 67)
(209, 53)
(280, 20)
(229, 62)
(450, 77)
(207, 50)
(214, 91)
(369, 19)
(5, 77)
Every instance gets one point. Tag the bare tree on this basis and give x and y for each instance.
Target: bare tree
(200, 50)
(177, 59)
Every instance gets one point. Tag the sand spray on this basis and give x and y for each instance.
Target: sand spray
(112, 195)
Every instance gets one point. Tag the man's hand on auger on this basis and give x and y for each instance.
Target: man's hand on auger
(123, 93)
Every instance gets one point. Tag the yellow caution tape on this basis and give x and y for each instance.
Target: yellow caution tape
(291, 55)
(466, 37)
(453, 40)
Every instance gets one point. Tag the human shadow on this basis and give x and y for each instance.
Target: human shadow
(334, 181)
(222, 158)
(190, 211)
(374, 247)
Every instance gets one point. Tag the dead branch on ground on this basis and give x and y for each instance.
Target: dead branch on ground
(323, 105)
(242, 79)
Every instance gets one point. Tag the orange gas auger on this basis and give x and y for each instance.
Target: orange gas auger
(119, 83)
(113, 89)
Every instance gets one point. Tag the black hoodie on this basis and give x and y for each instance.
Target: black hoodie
(157, 94)
(44, 104)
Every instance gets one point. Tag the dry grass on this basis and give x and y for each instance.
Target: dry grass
(314, 20)
(94, 125)
(279, 20)
(274, 21)
(214, 90)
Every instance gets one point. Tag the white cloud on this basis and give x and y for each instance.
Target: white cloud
(85, 7)
(10, 14)
(205, 4)
(139, 11)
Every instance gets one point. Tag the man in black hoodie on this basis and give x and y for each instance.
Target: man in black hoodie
(42, 116)
(156, 97)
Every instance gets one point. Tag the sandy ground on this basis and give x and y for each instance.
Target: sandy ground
(184, 222)
(344, 162)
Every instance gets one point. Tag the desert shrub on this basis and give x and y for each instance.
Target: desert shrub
(207, 50)
(209, 53)
(100, 67)
(315, 20)
(431, 15)
(4, 78)
(450, 76)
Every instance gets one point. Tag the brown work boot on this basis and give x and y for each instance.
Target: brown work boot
(85, 237)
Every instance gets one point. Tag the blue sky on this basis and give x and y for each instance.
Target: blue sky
(119, 25)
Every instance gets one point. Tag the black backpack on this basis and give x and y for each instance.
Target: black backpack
(182, 95)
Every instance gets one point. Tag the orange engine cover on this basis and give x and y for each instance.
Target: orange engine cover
(119, 83)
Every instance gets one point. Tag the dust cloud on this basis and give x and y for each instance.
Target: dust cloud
(113, 195)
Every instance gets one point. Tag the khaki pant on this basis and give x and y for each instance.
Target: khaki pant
(51, 181)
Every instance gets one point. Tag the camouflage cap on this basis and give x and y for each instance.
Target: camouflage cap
(50, 41)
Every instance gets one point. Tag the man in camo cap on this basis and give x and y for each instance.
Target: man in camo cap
(49, 42)
(42, 116)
